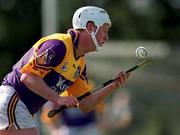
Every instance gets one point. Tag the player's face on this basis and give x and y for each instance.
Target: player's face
(102, 34)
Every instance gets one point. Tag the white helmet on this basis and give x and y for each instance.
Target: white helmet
(90, 13)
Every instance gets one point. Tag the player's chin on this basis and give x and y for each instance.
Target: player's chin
(92, 49)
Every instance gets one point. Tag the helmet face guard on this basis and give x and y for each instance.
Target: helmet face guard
(90, 14)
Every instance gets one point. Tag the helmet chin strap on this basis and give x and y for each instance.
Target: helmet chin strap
(93, 36)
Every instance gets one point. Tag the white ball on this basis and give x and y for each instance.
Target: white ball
(141, 52)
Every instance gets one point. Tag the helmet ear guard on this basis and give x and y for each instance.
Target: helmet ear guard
(91, 14)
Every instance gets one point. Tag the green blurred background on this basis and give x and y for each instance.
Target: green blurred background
(154, 24)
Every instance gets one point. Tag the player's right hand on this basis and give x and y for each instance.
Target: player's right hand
(121, 79)
(68, 101)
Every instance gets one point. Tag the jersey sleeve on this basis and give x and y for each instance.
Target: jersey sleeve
(80, 87)
(47, 56)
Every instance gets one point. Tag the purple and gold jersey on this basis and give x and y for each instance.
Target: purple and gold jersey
(54, 59)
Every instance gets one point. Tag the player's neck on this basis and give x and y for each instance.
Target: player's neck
(83, 44)
(80, 51)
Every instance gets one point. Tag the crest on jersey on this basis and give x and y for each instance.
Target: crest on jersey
(45, 57)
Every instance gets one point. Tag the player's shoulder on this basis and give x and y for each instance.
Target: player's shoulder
(58, 36)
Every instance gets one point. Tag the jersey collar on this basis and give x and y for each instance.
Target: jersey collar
(75, 40)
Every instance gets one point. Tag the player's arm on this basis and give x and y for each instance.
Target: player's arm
(38, 86)
(39, 66)
(91, 101)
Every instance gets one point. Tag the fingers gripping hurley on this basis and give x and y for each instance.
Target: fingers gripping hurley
(143, 63)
